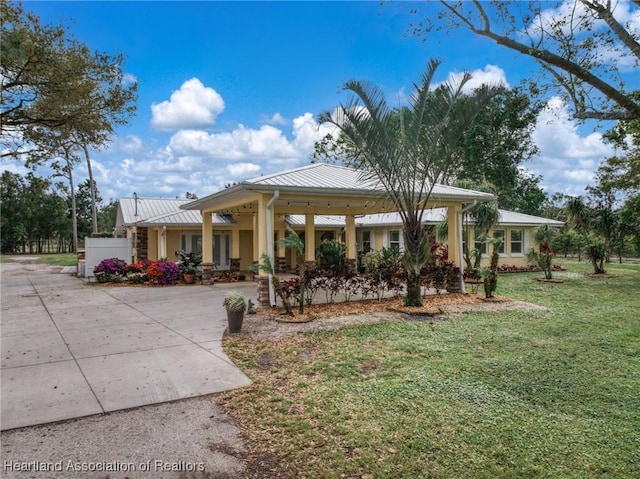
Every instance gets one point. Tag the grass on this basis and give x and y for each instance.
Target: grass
(63, 259)
(512, 394)
(58, 259)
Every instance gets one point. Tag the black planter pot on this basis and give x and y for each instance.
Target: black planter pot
(234, 318)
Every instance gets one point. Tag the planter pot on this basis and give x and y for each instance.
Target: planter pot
(234, 318)
(188, 278)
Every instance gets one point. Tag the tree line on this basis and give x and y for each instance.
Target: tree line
(60, 100)
(36, 214)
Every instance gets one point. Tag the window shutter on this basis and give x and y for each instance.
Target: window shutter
(385, 238)
(526, 242)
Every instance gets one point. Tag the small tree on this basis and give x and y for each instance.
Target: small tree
(596, 251)
(293, 241)
(543, 235)
(407, 150)
(266, 265)
(491, 274)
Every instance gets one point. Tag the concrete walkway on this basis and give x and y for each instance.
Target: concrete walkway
(71, 349)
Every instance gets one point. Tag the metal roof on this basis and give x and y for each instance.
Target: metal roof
(435, 215)
(324, 176)
(142, 209)
(512, 218)
(318, 220)
(324, 179)
(163, 211)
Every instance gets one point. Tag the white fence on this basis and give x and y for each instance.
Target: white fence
(97, 249)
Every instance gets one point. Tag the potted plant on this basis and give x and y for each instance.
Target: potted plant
(189, 263)
(235, 304)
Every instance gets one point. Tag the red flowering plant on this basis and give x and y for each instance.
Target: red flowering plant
(163, 272)
(136, 272)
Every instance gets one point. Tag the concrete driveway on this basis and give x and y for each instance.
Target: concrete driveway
(71, 349)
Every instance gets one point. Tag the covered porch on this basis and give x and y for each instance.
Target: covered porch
(260, 207)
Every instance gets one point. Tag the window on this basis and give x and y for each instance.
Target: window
(394, 239)
(366, 241)
(480, 244)
(499, 234)
(516, 242)
(191, 242)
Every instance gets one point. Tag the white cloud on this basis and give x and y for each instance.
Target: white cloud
(567, 159)
(239, 144)
(275, 119)
(191, 106)
(243, 170)
(490, 75)
(203, 162)
(307, 131)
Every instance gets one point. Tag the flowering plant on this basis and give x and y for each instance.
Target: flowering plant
(163, 272)
(111, 266)
(137, 277)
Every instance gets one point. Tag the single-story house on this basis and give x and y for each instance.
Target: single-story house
(234, 227)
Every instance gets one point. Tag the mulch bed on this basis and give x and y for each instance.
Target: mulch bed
(433, 304)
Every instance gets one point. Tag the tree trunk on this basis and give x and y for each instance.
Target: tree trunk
(414, 290)
(92, 190)
(74, 213)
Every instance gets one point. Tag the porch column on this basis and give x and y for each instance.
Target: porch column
(281, 257)
(256, 250)
(261, 227)
(162, 242)
(309, 238)
(453, 234)
(351, 253)
(207, 246)
(234, 260)
(350, 237)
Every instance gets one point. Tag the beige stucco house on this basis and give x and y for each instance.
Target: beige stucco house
(235, 226)
(261, 207)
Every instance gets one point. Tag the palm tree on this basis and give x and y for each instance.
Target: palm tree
(408, 150)
(543, 236)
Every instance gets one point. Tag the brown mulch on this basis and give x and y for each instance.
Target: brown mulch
(432, 305)
(271, 323)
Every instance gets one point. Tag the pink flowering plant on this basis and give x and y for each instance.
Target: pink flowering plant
(110, 270)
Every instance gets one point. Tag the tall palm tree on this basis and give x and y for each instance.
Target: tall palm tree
(408, 150)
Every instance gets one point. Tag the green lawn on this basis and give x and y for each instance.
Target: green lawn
(67, 259)
(514, 394)
(58, 259)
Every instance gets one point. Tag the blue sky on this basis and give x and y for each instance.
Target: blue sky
(231, 90)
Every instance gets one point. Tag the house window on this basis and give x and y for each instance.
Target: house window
(499, 234)
(394, 239)
(366, 241)
(191, 242)
(516, 242)
(480, 243)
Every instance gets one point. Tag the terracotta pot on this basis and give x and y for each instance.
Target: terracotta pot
(188, 278)
(235, 318)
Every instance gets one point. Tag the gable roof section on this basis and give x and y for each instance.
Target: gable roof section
(142, 209)
(163, 212)
(435, 215)
(508, 218)
(333, 177)
(325, 179)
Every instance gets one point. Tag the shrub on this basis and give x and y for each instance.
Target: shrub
(163, 272)
(109, 268)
